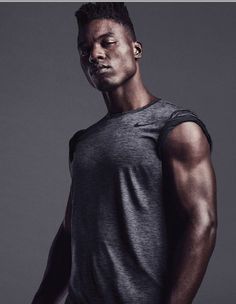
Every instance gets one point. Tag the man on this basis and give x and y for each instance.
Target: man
(140, 223)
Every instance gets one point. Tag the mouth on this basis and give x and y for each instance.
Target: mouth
(100, 69)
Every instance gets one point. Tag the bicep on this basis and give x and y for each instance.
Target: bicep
(190, 172)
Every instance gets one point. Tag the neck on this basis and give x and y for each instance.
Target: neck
(130, 95)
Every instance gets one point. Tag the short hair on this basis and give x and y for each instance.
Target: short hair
(105, 10)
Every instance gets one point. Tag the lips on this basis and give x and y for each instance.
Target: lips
(99, 69)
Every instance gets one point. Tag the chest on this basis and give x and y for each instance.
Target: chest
(118, 146)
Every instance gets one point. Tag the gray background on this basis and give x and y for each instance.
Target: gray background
(189, 58)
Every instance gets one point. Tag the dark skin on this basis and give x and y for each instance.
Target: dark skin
(190, 175)
(187, 167)
(121, 85)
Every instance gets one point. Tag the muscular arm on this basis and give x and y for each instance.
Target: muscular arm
(57, 273)
(190, 178)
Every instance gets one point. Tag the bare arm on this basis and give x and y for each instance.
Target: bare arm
(56, 276)
(191, 179)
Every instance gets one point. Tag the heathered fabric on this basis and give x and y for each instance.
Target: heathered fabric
(118, 228)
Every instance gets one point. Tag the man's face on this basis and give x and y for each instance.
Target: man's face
(107, 54)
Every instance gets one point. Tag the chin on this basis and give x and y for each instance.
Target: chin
(105, 86)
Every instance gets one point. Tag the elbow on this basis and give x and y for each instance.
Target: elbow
(207, 228)
(204, 226)
(209, 234)
(209, 225)
(213, 225)
(211, 231)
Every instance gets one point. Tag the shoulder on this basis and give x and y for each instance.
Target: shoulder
(186, 142)
(76, 135)
(184, 129)
(73, 140)
(164, 108)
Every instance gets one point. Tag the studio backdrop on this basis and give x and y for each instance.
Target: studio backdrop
(189, 58)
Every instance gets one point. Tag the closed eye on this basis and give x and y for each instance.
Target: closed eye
(84, 50)
(107, 43)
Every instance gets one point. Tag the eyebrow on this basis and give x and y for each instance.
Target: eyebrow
(108, 34)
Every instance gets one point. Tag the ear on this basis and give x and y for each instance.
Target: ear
(138, 49)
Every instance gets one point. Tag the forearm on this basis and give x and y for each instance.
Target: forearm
(190, 261)
(56, 276)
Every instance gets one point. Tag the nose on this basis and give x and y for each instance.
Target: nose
(96, 53)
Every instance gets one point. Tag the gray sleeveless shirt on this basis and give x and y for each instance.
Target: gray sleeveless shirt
(120, 245)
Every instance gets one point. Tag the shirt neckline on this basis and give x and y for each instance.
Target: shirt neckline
(116, 114)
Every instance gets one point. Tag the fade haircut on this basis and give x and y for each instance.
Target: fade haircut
(105, 10)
